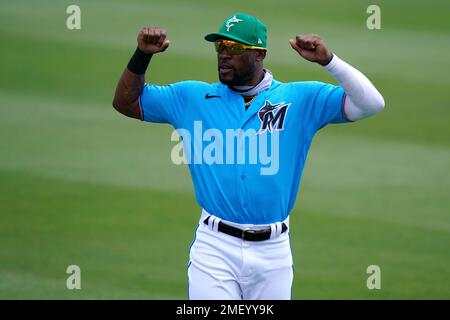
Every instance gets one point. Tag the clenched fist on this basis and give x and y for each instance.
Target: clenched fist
(312, 48)
(152, 40)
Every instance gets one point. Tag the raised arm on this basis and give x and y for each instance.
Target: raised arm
(363, 99)
(150, 40)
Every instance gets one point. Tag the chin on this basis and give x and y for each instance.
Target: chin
(226, 80)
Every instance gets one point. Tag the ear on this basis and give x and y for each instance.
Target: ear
(260, 55)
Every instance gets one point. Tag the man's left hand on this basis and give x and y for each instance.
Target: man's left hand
(312, 48)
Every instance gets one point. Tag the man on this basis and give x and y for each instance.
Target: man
(241, 248)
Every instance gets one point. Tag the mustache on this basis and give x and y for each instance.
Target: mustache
(225, 65)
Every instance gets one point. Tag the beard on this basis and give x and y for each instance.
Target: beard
(231, 77)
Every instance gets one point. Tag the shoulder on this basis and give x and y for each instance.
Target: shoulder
(193, 89)
(310, 90)
(180, 90)
(193, 84)
(297, 89)
(303, 85)
(189, 84)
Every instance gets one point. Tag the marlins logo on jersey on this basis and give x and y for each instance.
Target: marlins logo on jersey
(272, 116)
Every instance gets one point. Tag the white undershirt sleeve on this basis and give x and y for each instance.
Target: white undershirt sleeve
(363, 99)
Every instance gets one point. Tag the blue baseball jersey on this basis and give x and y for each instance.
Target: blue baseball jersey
(246, 165)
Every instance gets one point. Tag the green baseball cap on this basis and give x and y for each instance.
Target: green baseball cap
(244, 28)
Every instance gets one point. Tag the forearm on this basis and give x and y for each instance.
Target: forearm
(130, 85)
(363, 99)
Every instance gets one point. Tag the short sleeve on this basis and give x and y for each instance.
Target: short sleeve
(164, 104)
(329, 105)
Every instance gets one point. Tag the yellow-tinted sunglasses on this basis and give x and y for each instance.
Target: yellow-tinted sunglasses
(233, 47)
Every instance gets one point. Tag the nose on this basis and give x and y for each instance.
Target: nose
(223, 52)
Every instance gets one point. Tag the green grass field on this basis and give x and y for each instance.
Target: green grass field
(81, 184)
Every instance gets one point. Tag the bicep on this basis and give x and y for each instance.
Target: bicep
(133, 110)
(126, 96)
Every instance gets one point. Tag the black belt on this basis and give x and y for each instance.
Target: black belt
(249, 234)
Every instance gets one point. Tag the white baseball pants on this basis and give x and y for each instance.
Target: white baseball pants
(223, 267)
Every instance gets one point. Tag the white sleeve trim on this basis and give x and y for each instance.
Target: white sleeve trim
(363, 99)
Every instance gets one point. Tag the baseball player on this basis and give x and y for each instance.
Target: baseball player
(241, 248)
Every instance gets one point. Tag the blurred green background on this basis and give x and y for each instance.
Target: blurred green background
(81, 184)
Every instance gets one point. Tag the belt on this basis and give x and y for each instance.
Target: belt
(247, 234)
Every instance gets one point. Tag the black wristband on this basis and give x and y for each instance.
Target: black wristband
(324, 65)
(139, 61)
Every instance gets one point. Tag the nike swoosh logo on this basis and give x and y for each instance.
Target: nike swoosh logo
(208, 96)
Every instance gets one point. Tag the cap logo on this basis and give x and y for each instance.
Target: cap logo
(229, 22)
(259, 41)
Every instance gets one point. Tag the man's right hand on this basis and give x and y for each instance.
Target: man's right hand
(152, 40)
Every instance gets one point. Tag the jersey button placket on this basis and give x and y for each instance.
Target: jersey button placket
(244, 201)
(242, 176)
(241, 185)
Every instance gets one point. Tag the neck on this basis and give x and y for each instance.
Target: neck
(262, 85)
(257, 78)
